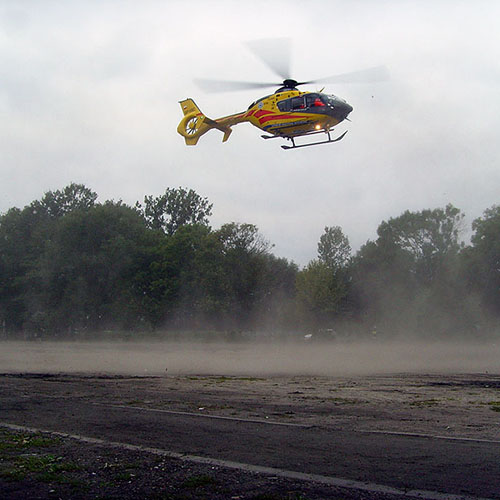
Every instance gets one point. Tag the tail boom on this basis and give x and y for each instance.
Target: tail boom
(194, 123)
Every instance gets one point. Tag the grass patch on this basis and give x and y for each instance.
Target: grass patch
(250, 379)
(494, 405)
(122, 470)
(106, 484)
(199, 481)
(18, 441)
(12, 474)
(124, 476)
(43, 468)
(44, 464)
(342, 401)
(17, 465)
(425, 403)
(76, 484)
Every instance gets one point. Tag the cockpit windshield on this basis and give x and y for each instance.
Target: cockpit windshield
(333, 99)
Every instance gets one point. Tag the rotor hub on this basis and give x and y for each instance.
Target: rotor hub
(290, 84)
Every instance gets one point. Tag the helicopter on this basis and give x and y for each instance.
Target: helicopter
(288, 113)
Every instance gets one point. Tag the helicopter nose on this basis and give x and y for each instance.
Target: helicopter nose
(343, 109)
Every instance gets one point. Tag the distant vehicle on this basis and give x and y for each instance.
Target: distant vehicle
(288, 113)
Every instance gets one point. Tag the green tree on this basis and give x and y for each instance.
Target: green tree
(195, 287)
(276, 309)
(23, 235)
(408, 280)
(333, 248)
(85, 278)
(243, 237)
(224, 279)
(70, 266)
(176, 208)
(428, 236)
(383, 284)
(61, 202)
(482, 259)
(319, 294)
(323, 286)
(244, 250)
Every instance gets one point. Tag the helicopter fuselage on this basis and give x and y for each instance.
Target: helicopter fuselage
(288, 113)
(292, 113)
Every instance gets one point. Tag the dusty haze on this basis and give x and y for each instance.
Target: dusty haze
(251, 359)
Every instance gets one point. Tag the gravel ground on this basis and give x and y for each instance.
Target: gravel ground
(36, 466)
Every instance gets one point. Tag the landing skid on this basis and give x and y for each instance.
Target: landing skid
(295, 146)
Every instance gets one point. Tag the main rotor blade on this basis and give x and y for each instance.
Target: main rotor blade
(274, 52)
(369, 75)
(214, 86)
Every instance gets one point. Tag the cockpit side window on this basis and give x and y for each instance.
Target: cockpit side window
(314, 100)
(292, 104)
(285, 105)
(298, 103)
(310, 99)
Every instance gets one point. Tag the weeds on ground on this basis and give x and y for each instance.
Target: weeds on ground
(425, 403)
(343, 401)
(199, 481)
(21, 458)
(46, 468)
(20, 441)
(494, 405)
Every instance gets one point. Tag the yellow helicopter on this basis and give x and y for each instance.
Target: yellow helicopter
(288, 113)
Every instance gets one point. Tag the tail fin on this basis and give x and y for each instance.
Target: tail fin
(195, 123)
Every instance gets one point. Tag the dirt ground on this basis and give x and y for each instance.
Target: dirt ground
(464, 406)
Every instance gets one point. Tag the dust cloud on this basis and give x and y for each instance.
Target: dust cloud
(249, 359)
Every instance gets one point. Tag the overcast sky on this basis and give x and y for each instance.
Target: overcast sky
(89, 93)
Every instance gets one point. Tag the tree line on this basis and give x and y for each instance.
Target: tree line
(71, 266)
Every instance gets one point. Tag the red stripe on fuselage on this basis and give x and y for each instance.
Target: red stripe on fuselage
(293, 116)
(262, 112)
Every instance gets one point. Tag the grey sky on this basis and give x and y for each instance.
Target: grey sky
(89, 93)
